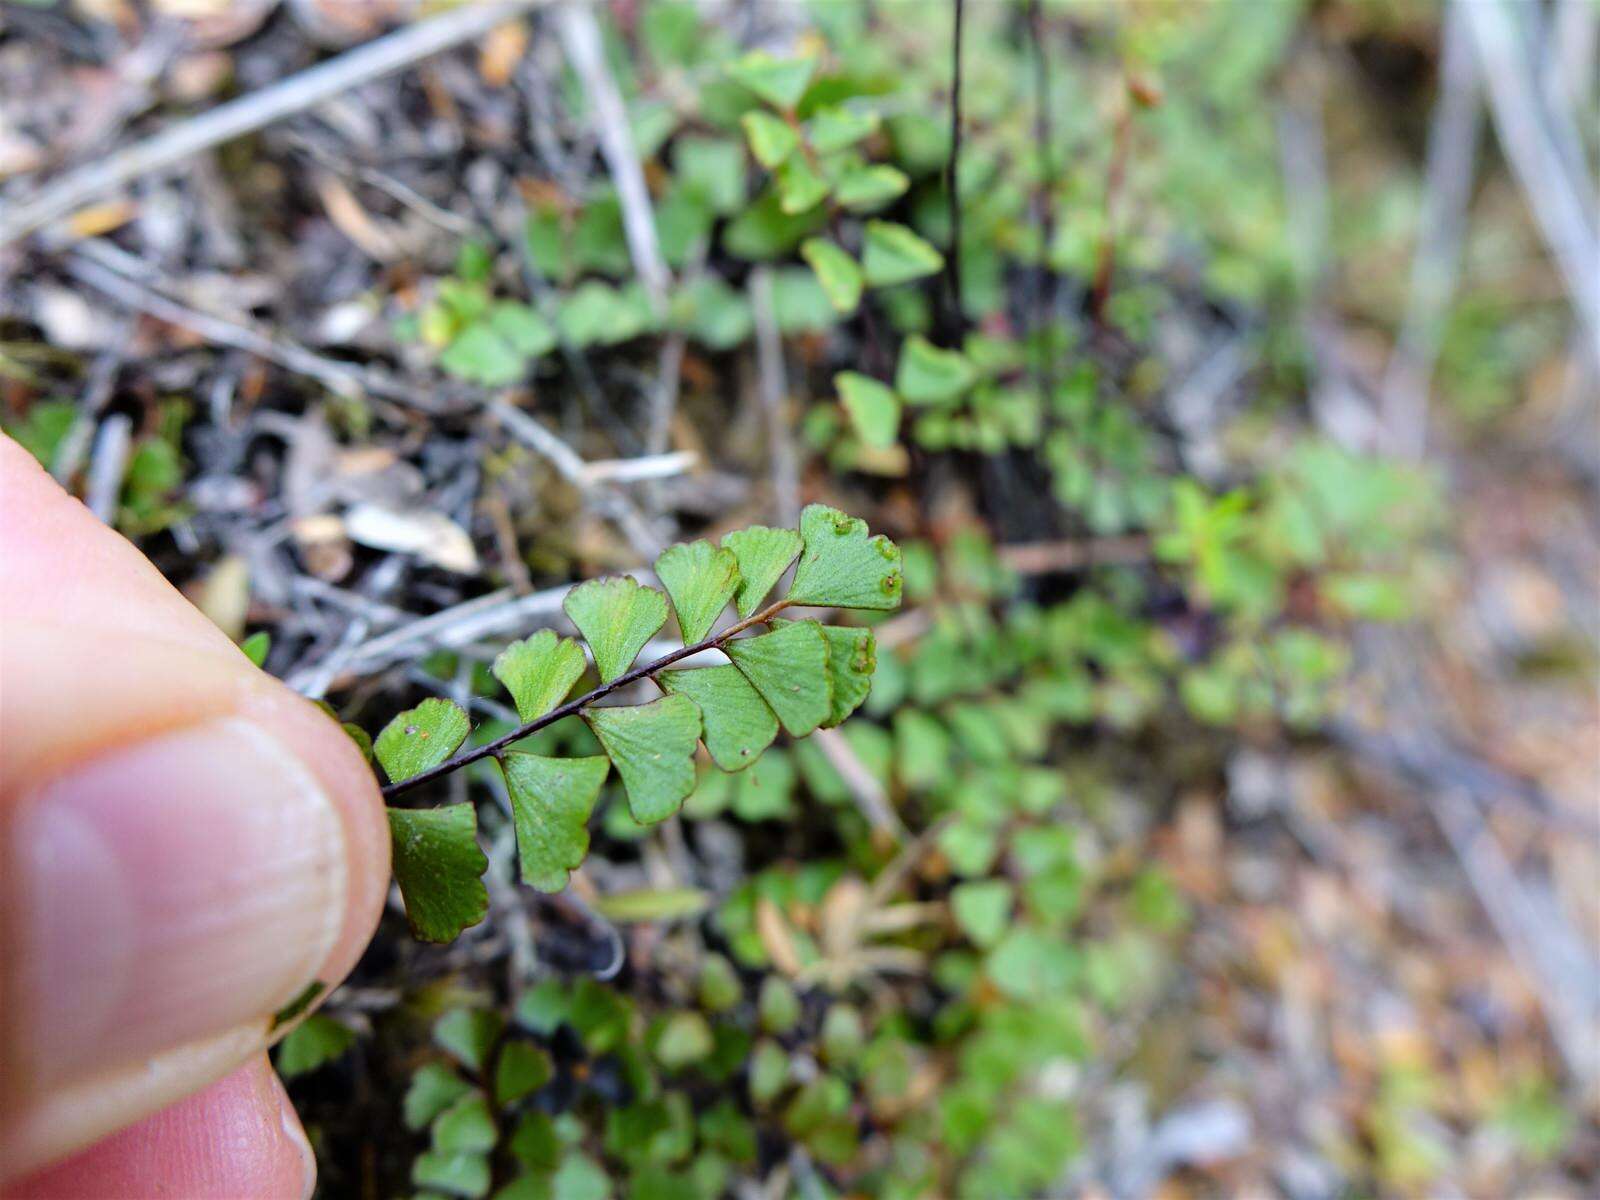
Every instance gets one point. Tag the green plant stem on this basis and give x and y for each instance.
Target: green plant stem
(573, 707)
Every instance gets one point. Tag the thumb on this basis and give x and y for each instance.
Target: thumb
(185, 845)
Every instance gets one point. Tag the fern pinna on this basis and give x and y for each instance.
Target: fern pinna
(798, 675)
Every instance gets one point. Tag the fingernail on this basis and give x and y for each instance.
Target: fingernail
(170, 890)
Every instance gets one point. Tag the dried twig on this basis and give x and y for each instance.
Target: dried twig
(365, 63)
(580, 35)
(571, 467)
(1560, 199)
(1452, 156)
(774, 391)
(1044, 558)
(343, 378)
(864, 787)
(108, 466)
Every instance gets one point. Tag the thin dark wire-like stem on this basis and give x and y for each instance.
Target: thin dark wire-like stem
(952, 264)
(573, 707)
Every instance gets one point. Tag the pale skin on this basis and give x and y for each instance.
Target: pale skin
(184, 845)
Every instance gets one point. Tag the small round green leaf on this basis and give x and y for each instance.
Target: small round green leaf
(789, 667)
(893, 254)
(873, 408)
(779, 81)
(772, 140)
(439, 868)
(841, 566)
(928, 375)
(522, 1068)
(865, 188)
(539, 672)
(617, 617)
(652, 746)
(764, 554)
(738, 724)
(551, 799)
(420, 738)
(434, 1088)
(701, 579)
(838, 273)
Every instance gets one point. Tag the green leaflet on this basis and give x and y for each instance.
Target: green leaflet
(701, 579)
(434, 1088)
(982, 909)
(873, 408)
(893, 254)
(863, 188)
(852, 658)
(835, 128)
(439, 866)
(469, 1034)
(841, 567)
(929, 375)
(256, 646)
(772, 140)
(738, 723)
(800, 188)
(522, 1068)
(420, 738)
(465, 1127)
(838, 273)
(779, 81)
(539, 671)
(551, 799)
(789, 667)
(652, 746)
(616, 617)
(763, 554)
(314, 1042)
(463, 1174)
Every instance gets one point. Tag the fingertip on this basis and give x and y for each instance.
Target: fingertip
(238, 1139)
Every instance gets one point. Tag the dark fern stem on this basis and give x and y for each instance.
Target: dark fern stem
(952, 264)
(573, 707)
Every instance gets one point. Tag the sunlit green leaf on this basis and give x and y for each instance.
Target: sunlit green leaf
(701, 579)
(551, 799)
(838, 273)
(421, 738)
(764, 554)
(893, 254)
(652, 746)
(539, 672)
(738, 724)
(616, 616)
(789, 667)
(439, 868)
(841, 566)
(524, 329)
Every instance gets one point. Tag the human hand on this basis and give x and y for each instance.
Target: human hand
(185, 845)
